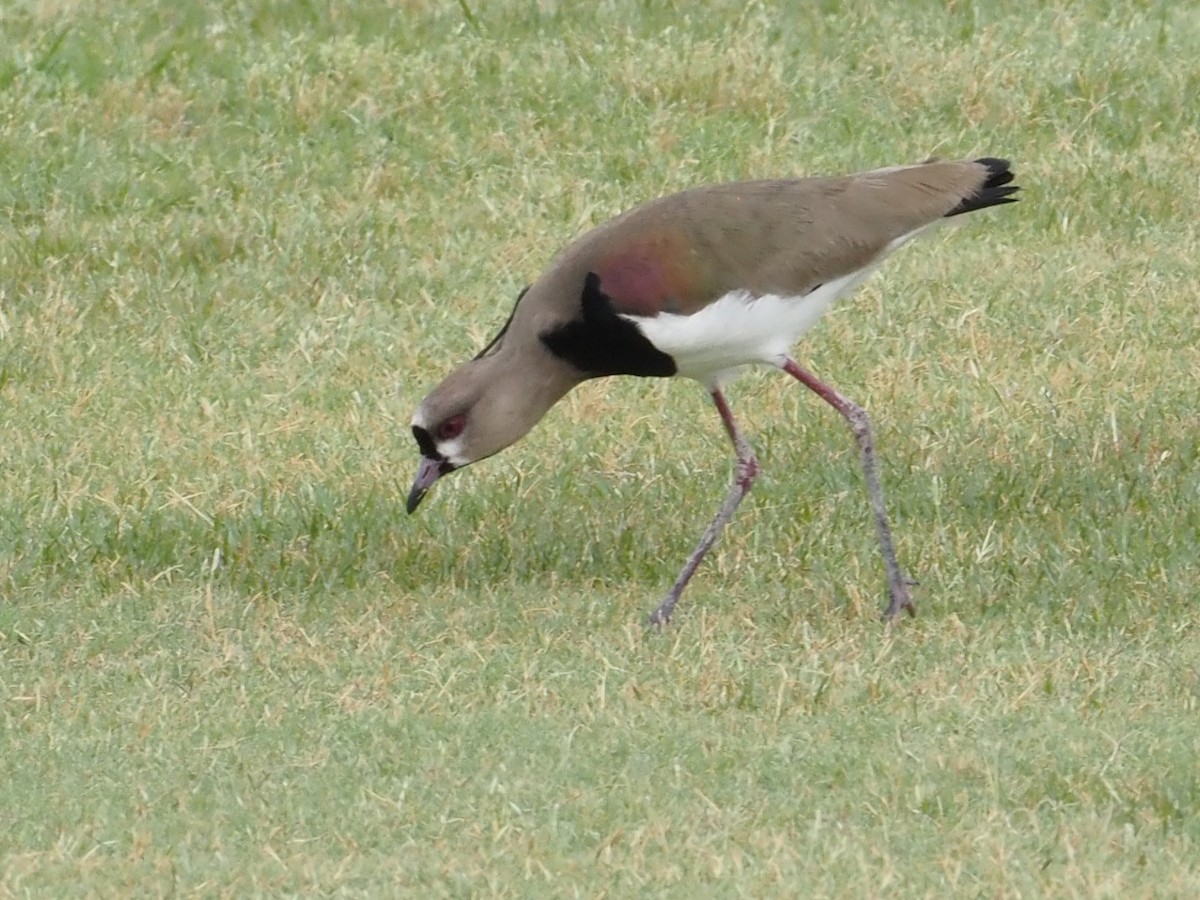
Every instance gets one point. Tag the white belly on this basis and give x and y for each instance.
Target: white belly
(742, 330)
(739, 329)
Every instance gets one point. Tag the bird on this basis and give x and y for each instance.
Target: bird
(701, 284)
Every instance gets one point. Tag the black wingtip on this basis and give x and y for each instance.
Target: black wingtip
(999, 171)
(996, 190)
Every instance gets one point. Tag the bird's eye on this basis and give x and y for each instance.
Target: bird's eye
(451, 428)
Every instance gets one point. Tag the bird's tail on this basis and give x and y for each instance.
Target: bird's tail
(994, 191)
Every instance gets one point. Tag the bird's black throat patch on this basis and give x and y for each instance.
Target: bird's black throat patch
(428, 448)
(600, 342)
(425, 442)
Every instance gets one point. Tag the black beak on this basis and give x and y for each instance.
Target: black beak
(429, 471)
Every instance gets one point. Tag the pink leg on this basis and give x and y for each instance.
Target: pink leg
(747, 469)
(861, 426)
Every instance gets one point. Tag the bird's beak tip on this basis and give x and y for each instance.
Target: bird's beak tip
(414, 500)
(428, 472)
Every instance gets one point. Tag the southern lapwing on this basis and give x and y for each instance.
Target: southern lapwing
(700, 284)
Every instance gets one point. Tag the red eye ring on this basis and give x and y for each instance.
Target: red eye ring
(451, 428)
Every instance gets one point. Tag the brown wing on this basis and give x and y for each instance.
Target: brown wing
(682, 252)
(659, 268)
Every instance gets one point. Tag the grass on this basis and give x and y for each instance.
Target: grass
(238, 242)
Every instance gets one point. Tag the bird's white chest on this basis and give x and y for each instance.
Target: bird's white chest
(739, 329)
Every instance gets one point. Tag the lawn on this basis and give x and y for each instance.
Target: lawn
(240, 241)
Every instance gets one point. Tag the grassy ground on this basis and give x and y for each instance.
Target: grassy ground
(230, 664)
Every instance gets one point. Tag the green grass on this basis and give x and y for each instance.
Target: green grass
(239, 242)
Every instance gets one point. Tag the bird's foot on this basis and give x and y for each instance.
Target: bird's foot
(900, 600)
(662, 615)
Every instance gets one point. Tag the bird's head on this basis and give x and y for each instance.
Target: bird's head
(478, 410)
